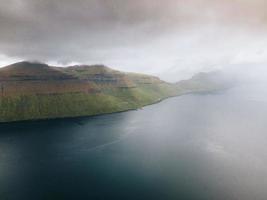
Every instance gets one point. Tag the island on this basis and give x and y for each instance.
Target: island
(35, 91)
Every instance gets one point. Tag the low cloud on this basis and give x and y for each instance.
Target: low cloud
(170, 38)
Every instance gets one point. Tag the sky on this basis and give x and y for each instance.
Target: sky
(173, 39)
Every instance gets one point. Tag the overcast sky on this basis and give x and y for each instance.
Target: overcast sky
(170, 38)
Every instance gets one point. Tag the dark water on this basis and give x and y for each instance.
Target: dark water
(211, 146)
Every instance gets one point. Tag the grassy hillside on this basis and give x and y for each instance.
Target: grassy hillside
(31, 91)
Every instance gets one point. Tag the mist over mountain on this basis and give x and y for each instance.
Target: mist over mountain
(133, 99)
(31, 91)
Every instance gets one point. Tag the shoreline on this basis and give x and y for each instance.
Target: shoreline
(108, 113)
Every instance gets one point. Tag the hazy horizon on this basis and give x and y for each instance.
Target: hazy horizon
(94, 133)
(172, 39)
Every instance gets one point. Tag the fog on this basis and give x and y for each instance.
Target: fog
(173, 39)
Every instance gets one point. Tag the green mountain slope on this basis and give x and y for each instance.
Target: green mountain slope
(31, 91)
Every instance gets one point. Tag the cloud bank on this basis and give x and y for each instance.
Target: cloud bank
(170, 38)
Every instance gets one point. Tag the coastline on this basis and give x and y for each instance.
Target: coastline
(109, 113)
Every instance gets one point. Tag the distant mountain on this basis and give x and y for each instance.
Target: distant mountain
(31, 91)
(205, 82)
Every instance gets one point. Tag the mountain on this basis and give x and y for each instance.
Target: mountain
(207, 82)
(31, 91)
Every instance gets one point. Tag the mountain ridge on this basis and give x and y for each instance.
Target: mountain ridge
(34, 91)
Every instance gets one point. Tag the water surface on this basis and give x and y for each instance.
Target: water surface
(211, 146)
